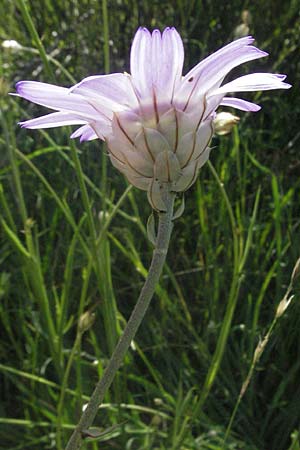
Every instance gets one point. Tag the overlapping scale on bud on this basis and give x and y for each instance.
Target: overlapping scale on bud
(157, 149)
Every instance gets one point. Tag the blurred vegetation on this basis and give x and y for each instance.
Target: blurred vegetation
(65, 254)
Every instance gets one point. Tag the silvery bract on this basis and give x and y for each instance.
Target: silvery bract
(157, 123)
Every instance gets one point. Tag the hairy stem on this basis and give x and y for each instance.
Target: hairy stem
(158, 259)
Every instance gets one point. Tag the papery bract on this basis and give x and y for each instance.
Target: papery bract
(157, 123)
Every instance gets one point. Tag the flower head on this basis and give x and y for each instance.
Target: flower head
(157, 123)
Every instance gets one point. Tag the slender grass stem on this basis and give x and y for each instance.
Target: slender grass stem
(77, 344)
(158, 259)
(232, 299)
(65, 380)
(240, 257)
(109, 315)
(105, 36)
(35, 37)
(281, 308)
(33, 263)
(106, 70)
(245, 385)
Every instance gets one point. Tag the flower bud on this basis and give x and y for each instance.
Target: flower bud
(224, 122)
(86, 320)
(283, 305)
(12, 45)
(296, 271)
(241, 30)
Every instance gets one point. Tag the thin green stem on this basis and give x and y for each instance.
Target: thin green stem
(15, 170)
(158, 259)
(233, 296)
(54, 61)
(259, 350)
(64, 385)
(109, 315)
(106, 70)
(35, 37)
(240, 257)
(33, 263)
(105, 37)
(76, 347)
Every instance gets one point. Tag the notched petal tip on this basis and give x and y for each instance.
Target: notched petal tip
(145, 31)
(140, 30)
(23, 84)
(247, 40)
(23, 124)
(280, 76)
(19, 85)
(156, 32)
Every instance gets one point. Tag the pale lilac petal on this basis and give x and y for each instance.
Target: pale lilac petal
(156, 57)
(210, 72)
(239, 103)
(140, 66)
(55, 97)
(113, 91)
(85, 133)
(57, 119)
(156, 61)
(211, 104)
(173, 56)
(167, 61)
(254, 82)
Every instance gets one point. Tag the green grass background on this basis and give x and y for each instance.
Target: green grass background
(74, 251)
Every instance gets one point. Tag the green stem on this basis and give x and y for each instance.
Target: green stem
(105, 24)
(33, 263)
(109, 315)
(63, 389)
(105, 37)
(35, 37)
(259, 349)
(232, 300)
(158, 259)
